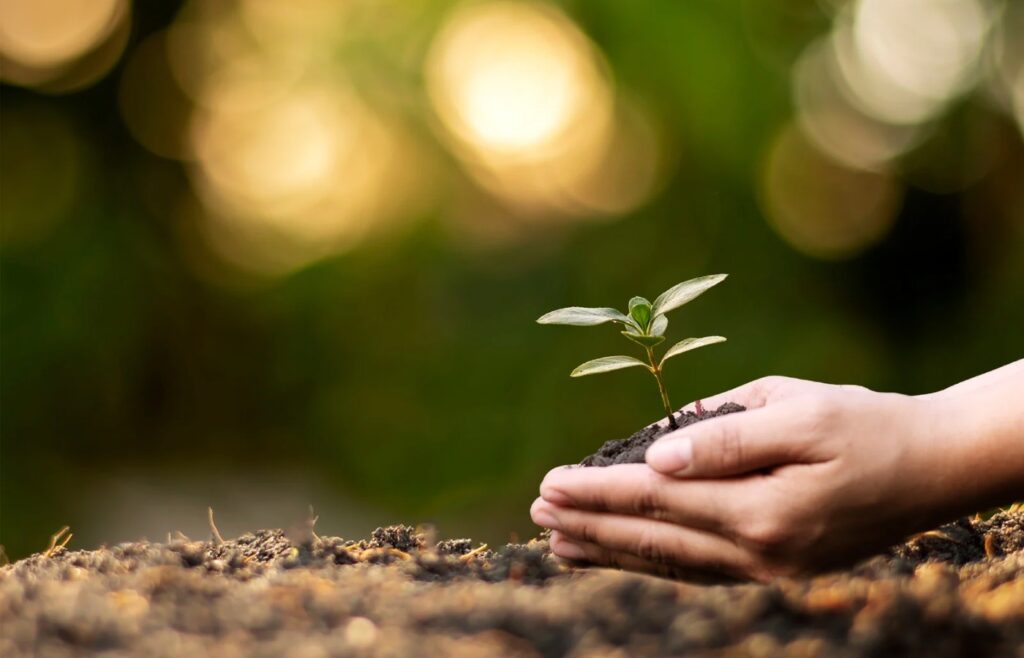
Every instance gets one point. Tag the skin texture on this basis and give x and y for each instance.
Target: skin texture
(812, 476)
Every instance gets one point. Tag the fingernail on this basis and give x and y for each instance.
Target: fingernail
(569, 550)
(554, 496)
(544, 517)
(670, 455)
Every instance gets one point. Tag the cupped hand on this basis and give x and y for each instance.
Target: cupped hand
(811, 476)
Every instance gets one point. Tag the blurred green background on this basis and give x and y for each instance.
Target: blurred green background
(261, 255)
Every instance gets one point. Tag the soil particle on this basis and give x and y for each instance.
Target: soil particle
(454, 546)
(942, 593)
(401, 537)
(631, 450)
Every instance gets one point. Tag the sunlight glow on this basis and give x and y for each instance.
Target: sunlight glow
(902, 61)
(835, 126)
(43, 41)
(868, 92)
(309, 168)
(525, 101)
(512, 78)
(289, 161)
(819, 207)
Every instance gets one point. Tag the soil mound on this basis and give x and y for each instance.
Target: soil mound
(631, 450)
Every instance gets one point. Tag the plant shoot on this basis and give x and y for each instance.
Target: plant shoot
(645, 324)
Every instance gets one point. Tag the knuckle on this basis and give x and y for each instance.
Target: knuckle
(728, 451)
(765, 386)
(819, 413)
(768, 382)
(765, 536)
(586, 531)
(736, 521)
(823, 407)
(648, 500)
(555, 494)
(648, 547)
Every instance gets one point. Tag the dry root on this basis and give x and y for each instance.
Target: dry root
(58, 540)
(217, 539)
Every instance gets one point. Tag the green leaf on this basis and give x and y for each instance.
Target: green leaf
(659, 325)
(684, 292)
(688, 344)
(643, 339)
(606, 364)
(582, 316)
(640, 310)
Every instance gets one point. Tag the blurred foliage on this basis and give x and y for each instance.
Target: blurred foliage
(407, 372)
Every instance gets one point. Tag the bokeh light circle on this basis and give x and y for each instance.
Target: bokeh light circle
(836, 127)
(305, 173)
(43, 41)
(513, 79)
(820, 207)
(901, 61)
(525, 101)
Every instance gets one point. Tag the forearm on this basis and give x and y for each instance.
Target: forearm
(976, 442)
(1009, 373)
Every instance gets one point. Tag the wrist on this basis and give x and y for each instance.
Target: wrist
(972, 443)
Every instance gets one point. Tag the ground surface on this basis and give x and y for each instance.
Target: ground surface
(956, 591)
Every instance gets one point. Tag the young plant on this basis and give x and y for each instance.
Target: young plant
(645, 325)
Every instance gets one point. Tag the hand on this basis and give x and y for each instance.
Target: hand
(809, 477)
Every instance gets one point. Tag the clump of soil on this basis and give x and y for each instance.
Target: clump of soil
(957, 590)
(967, 540)
(631, 450)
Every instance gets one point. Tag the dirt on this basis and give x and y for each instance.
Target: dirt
(631, 450)
(955, 591)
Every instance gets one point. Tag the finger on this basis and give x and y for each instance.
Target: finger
(654, 541)
(752, 395)
(637, 490)
(732, 445)
(582, 551)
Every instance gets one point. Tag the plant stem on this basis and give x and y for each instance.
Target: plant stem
(656, 371)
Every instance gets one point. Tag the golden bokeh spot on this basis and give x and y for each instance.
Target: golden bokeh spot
(212, 51)
(513, 79)
(628, 171)
(820, 207)
(290, 163)
(303, 175)
(525, 101)
(61, 45)
(295, 30)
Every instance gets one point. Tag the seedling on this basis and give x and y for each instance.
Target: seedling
(645, 325)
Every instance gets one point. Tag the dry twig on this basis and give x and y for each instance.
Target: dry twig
(217, 539)
(60, 537)
(473, 553)
(313, 518)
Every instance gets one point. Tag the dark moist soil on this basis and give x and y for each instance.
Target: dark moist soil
(954, 591)
(631, 450)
